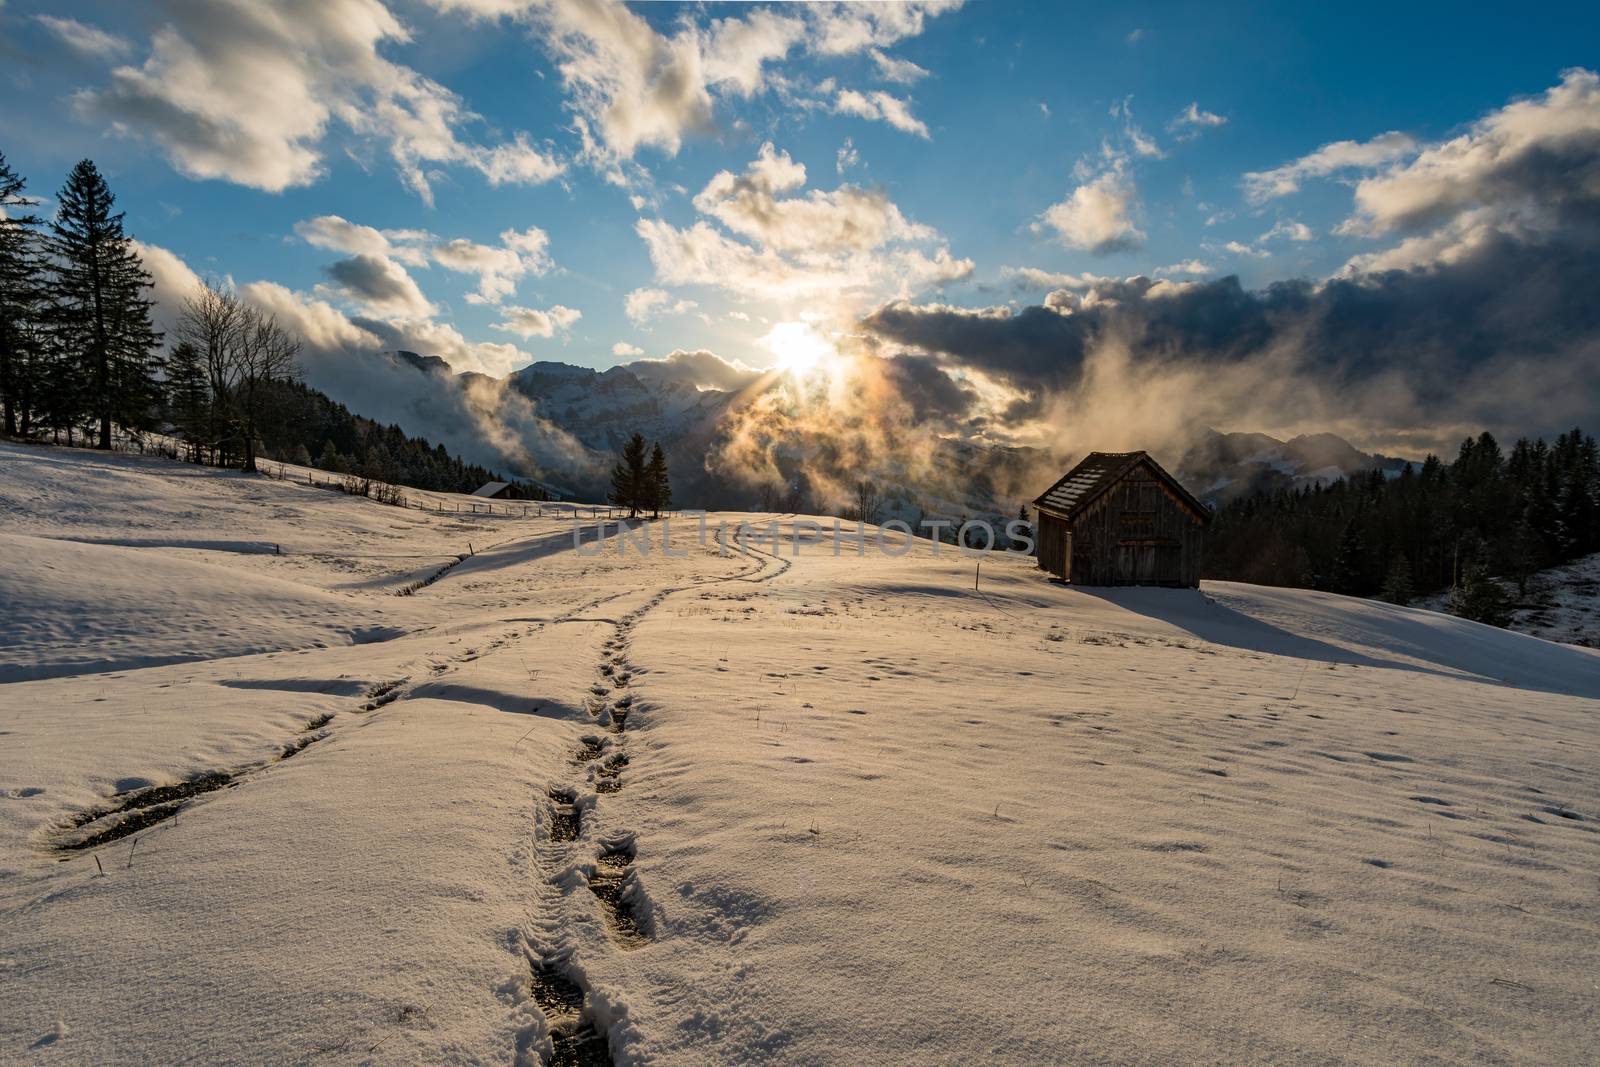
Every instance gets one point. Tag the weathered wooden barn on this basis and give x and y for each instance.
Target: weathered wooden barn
(497, 491)
(1118, 518)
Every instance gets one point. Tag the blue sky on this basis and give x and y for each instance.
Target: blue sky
(1011, 110)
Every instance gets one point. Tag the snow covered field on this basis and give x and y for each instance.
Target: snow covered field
(723, 808)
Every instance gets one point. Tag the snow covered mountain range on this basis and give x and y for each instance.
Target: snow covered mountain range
(692, 408)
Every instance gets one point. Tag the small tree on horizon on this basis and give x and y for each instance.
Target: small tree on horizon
(628, 476)
(868, 504)
(658, 487)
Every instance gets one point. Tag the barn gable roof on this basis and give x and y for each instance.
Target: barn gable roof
(491, 489)
(1099, 471)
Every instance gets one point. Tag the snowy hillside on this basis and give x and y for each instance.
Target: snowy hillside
(730, 806)
(1563, 603)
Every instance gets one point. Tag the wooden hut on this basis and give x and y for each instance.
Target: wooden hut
(1118, 518)
(496, 491)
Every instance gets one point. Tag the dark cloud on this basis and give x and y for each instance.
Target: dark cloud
(380, 283)
(700, 368)
(928, 392)
(1505, 335)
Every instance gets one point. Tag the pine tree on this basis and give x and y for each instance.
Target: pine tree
(658, 488)
(102, 311)
(20, 304)
(331, 460)
(1479, 597)
(1349, 566)
(628, 477)
(1397, 585)
(1527, 554)
(188, 397)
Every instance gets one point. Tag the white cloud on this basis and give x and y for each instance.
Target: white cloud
(846, 28)
(534, 322)
(1034, 278)
(1191, 120)
(246, 91)
(849, 217)
(334, 341)
(316, 322)
(1532, 148)
(641, 305)
(624, 349)
(1339, 155)
(340, 235)
(1188, 266)
(879, 106)
(631, 86)
(517, 163)
(893, 69)
(738, 50)
(846, 157)
(700, 255)
(1293, 231)
(90, 41)
(1097, 216)
(171, 281)
(1514, 173)
(1141, 143)
(830, 247)
(499, 268)
(1239, 248)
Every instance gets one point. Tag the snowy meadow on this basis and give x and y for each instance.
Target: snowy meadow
(751, 802)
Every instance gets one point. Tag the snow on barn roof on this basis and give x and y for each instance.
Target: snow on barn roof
(1097, 472)
(1083, 482)
(491, 489)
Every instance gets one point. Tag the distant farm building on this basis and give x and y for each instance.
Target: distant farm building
(1118, 518)
(529, 490)
(496, 491)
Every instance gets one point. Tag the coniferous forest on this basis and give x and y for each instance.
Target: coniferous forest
(1455, 525)
(81, 361)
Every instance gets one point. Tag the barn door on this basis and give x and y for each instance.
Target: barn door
(1148, 563)
(1169, 565)
(1136, 563)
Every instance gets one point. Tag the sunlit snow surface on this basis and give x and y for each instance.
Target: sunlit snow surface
(734, 808)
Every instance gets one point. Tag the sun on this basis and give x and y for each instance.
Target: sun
(799, 348)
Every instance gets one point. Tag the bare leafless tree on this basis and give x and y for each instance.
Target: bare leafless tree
(213, 321)
(267, 354)
(868, 503)
(244, 350)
